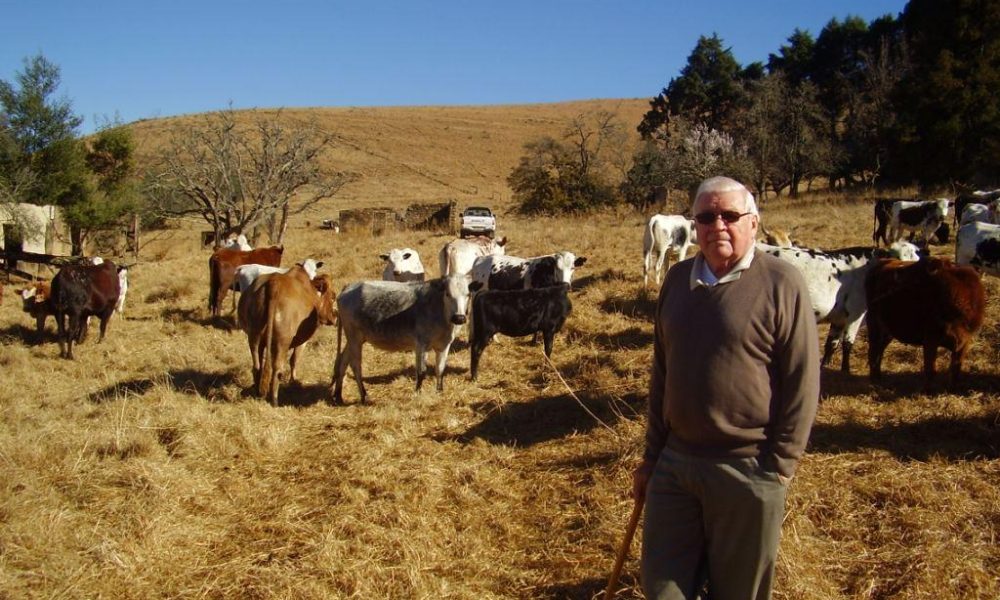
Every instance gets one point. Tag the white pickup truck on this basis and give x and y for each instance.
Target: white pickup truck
(478, 220)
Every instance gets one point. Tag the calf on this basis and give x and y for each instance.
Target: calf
(239, 242)
(514, 273)
(402, 264)
(222, 269)
(458, 256)
(280, 312)
(665, 233)
(923, 218)
(36, 301)
(777, 237)
(399, 317)
(81, 291)
(835, 280)
(517, 313)
(930, 303)
(978, 245)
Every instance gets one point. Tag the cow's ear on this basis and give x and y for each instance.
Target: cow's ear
(501, 241)
(579, 261)
(319, 264)
(384, 256)
(475, 286)
(407, 256)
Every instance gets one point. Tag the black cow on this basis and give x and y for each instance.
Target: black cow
(517, 313)
(79, 292)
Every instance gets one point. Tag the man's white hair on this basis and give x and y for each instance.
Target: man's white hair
(721, 185)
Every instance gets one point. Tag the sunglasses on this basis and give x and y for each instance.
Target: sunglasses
(729, 216)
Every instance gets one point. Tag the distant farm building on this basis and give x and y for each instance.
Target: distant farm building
(376, 221)
(36, 229)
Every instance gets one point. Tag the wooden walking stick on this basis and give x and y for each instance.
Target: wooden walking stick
(633, 522)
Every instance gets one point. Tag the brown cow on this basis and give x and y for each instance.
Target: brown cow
(79, 292)
(222, 269)
(927, 303)
(280, 312)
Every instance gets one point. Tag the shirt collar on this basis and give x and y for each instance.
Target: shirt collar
(701, 275)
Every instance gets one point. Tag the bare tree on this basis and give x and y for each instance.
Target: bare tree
(247, 174)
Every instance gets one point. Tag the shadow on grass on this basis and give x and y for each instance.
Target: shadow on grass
(582, 283)
(525, 424)
(195, 315)
(895, 385)
(188, 381)
(296, 394)
(28, 335)
(973, 438)
(630, 339)
(642, 305)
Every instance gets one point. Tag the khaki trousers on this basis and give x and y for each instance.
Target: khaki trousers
(710, 522)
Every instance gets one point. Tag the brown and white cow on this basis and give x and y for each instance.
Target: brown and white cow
(79, 292)
(222, 270)
(280, 312)
(931, 303)
(35, 300)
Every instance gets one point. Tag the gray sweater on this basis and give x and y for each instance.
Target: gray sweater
(735, 366)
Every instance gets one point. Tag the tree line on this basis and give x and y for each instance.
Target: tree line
(899, 101)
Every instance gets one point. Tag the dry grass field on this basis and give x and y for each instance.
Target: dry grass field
(147, 468)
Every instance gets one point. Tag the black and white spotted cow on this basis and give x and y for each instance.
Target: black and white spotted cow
(517, 313)
(836, 282)
(922, 217)
(883, 219)
(663, 234)
(514, 273)
(978, 244)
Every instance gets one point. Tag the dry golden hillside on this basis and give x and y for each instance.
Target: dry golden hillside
(429, 154)
(147, 468)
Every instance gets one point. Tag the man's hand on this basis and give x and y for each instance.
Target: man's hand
(640, 477)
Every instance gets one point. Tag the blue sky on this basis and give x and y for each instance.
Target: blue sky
(143, 59)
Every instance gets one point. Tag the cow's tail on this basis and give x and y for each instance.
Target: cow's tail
(336, 360)
(213, 285)
(266, 349)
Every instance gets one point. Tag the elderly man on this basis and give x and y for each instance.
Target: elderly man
(732, 398)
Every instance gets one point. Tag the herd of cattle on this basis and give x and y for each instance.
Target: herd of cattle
(906, 296)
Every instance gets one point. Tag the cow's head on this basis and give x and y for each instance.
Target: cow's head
(498, 246)
(456, 297)
(400, 261)
(904, 251)
(327, 308)
(310, 266)
(566, 264)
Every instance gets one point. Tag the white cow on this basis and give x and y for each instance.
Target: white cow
(664, 233)
(923, 218)
(457, 256)
(981, 213)
(836, 282)
(246, 274)
(978, 244)
(240, 242)
(402, 264)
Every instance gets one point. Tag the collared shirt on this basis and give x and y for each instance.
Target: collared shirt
(702, 275)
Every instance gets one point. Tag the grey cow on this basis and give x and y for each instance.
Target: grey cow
(399, 317)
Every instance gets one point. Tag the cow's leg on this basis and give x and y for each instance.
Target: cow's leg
(877, 342)
(547, 336)
(355, 354)
(339, 367)
(104, 322)
(930, 357)
(278, 357)
(646, 259)
(848, 336)
(75, 322)
(420, 351)
(832, 341)
(39, 328)
(253, 340)
(955, 369)
(293, 360)
(660, 257)
(61, 333)
(442, 361)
